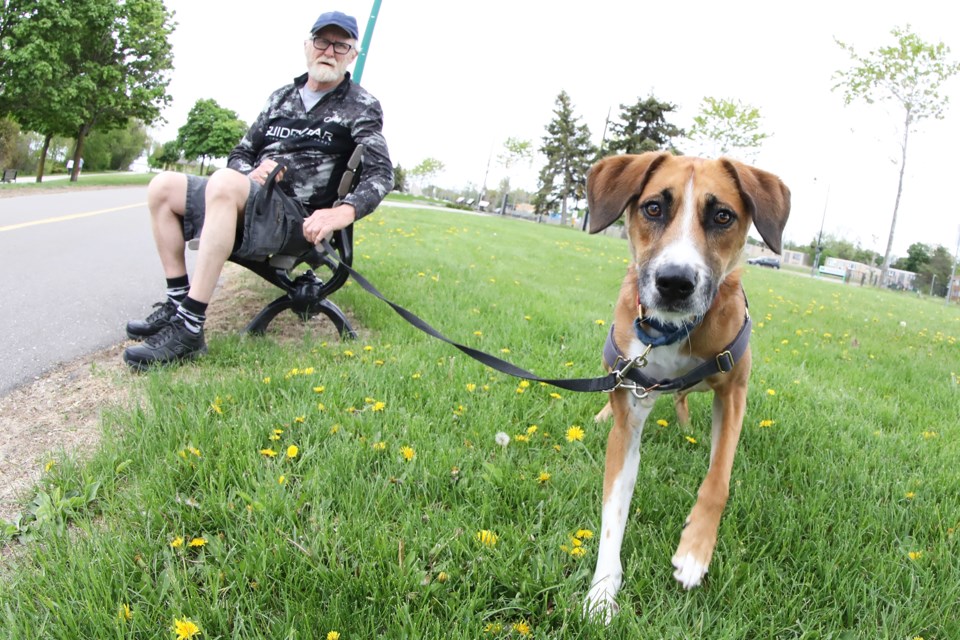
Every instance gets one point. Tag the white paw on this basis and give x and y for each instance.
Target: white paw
(689, 571)
(601, 605)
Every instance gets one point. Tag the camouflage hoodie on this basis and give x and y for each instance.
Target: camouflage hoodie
(316, 145)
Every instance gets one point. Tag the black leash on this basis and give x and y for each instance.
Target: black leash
(625, 371)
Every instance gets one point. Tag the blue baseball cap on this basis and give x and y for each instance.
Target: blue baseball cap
(338, 19)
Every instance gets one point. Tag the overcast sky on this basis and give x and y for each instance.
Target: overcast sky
(456, 79)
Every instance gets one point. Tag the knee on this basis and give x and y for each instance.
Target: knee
(167, 192)
(228, 185)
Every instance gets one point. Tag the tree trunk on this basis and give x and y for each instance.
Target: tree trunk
(896, 206)
(43, 156)
(78, 152)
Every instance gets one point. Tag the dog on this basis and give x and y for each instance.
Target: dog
(681, 308)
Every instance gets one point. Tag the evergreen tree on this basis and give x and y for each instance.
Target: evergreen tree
(644, 127)
(569, 155)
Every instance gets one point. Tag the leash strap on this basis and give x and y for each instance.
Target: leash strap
(622, 369)
(606, 383)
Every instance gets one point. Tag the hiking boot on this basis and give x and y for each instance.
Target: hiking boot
(174, 342)
(140, 329)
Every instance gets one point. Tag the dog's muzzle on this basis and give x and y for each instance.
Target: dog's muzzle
(675, 284)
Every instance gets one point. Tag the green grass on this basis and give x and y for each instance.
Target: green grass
(91, 180)
(857, 472)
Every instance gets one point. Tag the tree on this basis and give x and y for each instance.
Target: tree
(211, 131)
(918, 255)
(727, 125)
(643, 127)
(569, 154)
(115, 150)
(425, 171)
(399, 178)
(515, 151)
(72, 66)
(165, 155)
(908, 73)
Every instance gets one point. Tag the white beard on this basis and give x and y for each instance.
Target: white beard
(324, 74)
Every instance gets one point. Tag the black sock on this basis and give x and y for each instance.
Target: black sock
(193, 314)
(177, 288)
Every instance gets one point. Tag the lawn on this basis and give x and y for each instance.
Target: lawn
(277, 490)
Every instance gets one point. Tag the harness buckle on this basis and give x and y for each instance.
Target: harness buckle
(725, 361)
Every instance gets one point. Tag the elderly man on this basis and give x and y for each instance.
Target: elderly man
(303, 137)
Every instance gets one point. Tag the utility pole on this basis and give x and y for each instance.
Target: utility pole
(365, 45)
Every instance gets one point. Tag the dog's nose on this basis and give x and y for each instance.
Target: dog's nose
(676, 282)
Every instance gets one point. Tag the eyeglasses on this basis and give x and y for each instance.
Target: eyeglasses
(322, 44)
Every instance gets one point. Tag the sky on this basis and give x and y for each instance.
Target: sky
(456, 79)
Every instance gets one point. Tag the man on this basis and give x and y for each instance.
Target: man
(308, 128)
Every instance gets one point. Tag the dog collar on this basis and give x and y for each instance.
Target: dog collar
(669, 332)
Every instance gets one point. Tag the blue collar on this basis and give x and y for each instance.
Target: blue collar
(670, 333)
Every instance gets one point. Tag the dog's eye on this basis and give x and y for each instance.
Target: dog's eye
(723, 217)
(652, 210)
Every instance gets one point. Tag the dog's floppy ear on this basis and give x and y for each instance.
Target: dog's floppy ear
(767, 198)
(616, 180)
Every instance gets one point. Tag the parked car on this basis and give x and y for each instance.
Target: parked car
(765, 261)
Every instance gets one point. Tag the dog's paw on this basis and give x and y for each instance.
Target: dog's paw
(600, 605)
(689, 570)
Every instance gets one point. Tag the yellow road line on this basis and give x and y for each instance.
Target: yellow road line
(73, 216)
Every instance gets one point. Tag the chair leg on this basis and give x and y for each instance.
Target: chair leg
(258, 326)
(338, 319)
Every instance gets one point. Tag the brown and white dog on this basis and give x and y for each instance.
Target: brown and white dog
(687, 221)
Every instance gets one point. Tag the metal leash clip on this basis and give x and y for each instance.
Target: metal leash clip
(640, 361)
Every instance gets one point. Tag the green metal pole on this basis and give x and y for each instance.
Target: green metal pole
(365, 45)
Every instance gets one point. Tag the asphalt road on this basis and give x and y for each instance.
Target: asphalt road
(74, 267)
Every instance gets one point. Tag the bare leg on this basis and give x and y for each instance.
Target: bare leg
(167, 200)
(226, 199)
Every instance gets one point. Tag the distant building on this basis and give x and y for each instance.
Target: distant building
(953, 289)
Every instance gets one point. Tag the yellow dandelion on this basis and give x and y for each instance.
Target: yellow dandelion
(691, 440)
(574, 433)
(334, 429)
(909, 495)
(543, 477)
(915, 555)
(333, 635)
(767, 423)
(600, 323)
(125, 613)
(524, 384)
(487, 538)
(471, 387)
(532, 429)
(215, 405)
(663, 423)
(274, 437)
(266, 380)
(270, 453)
(568, 363)
(520, 390)
(185, 629)
(282, 479)
(49, 465)
(478, 333)
(416, 376)
(443, 576)
(198, 542)
(300, 419)
(504, 350)
(408, 453)
(177, 542)
(555, 395)
(367, 348)
(348, 353)
(521, 438)
(378, 406)
(583, 534)
(379, 446)
(578, 551)
(771, 392)
(321, 406)
(292, 451)
(528, 317)
(522, 628)
(319, 389)
(927, 435)
(493, 627)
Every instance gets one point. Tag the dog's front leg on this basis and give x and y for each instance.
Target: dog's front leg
(619, 479)
(700, 531)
